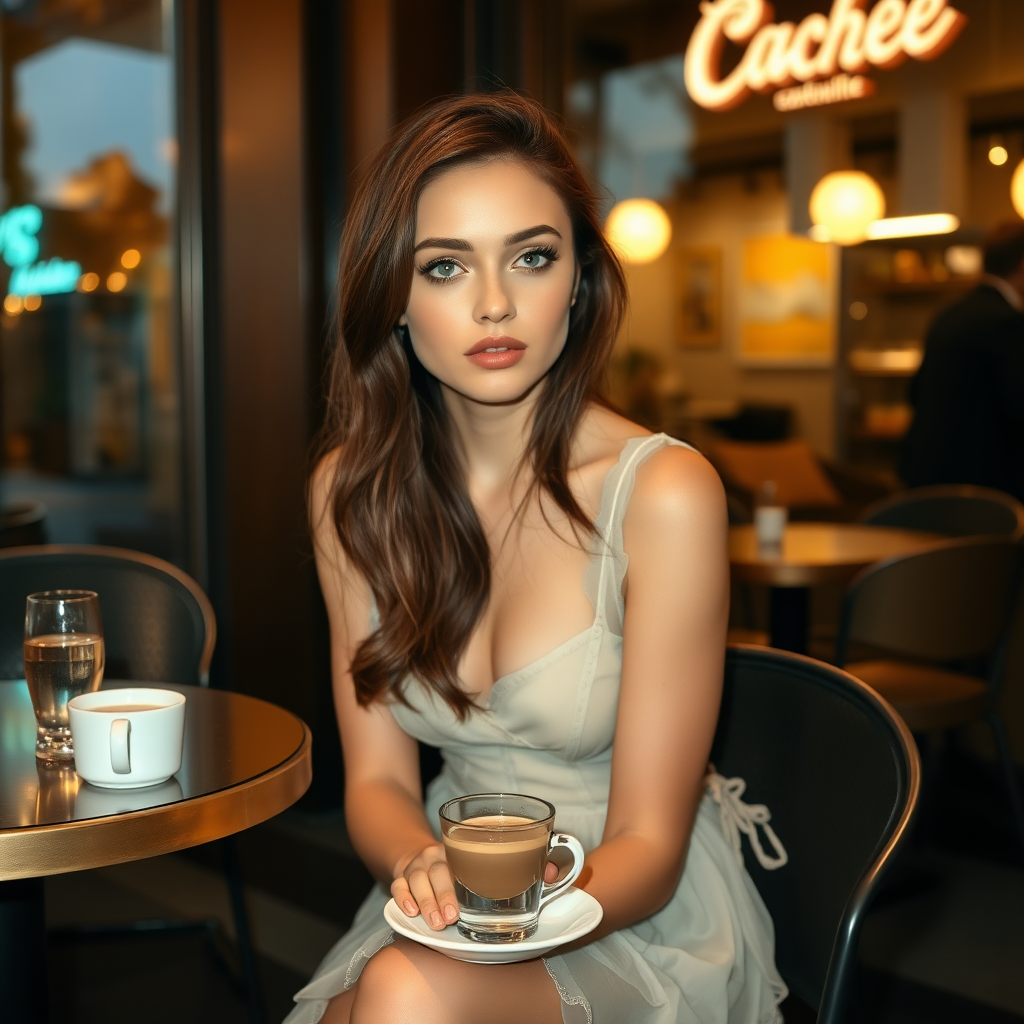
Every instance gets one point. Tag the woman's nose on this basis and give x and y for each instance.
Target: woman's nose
(494, 302)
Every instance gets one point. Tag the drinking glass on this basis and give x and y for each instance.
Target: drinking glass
(497, 845)
(64, 656)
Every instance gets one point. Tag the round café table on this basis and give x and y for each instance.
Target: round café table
(244, 761)
(811, 554)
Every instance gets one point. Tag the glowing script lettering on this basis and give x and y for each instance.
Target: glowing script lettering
(48, 277)
(18, 229)
(19, 245)
(831, 52)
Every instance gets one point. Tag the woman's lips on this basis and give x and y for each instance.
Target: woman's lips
(496, 353)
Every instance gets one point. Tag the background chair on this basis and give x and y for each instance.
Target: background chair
(956, 511)
(840, 773)
(942, 618)
(158, 627)
(22, 523)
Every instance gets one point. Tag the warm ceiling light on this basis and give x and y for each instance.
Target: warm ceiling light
(13, 305)
(33, 302)
(131, 258)
(906, 227)
(116, 281)
(1017, 189)
(89, 282)
(997, 155)
(845, 203)
(639, 230)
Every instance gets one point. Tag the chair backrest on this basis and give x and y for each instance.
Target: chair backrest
(956, 511)
(158, 625)
(839, 771)
(950, 601)
(22, 523)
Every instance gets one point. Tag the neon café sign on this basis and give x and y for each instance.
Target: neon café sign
(19, 244)
(827, 54)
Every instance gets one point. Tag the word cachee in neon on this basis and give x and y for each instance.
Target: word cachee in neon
(848, 40)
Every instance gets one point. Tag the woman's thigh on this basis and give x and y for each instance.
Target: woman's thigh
(406, 983)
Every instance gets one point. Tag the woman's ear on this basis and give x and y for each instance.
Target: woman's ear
(403, 321)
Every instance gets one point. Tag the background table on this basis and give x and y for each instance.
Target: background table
(811, 554)
(244, 761)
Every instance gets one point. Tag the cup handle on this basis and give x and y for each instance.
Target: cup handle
(559, 840)
(120, 746)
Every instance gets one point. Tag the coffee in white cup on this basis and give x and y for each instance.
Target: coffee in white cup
(127, 738)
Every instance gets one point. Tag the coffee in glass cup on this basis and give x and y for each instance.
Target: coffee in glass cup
(497, 846)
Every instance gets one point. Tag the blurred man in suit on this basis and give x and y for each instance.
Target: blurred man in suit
(968, 396)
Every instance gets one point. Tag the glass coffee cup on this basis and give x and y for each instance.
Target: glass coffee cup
(497, 846)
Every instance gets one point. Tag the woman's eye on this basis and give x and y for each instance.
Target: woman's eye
(536, 259)
(444, 270)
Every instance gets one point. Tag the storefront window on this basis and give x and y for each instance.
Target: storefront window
(88, 350)
(728, 122)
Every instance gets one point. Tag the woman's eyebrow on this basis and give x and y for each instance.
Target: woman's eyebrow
(522, 236)
(444, 243)
(461, 245)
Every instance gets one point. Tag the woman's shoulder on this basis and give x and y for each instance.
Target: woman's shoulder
(671, 479)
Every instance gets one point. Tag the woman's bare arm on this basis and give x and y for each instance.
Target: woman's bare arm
(383, 803)
(675, 534)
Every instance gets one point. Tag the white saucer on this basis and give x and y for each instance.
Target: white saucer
(569, 917)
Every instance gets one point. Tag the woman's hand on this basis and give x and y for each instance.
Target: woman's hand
(423, 885)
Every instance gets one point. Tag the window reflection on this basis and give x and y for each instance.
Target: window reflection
(89, 392)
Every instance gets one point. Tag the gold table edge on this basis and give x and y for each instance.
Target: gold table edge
(100, 842)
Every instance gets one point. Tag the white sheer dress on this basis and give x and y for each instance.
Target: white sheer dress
(707, 957)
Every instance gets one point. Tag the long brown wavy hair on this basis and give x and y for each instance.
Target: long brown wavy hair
(399, 498)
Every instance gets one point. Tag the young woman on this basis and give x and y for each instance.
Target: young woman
(520, 576)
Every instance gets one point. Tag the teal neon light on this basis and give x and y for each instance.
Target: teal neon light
(18, 229)
(48, 277)
(20, 247)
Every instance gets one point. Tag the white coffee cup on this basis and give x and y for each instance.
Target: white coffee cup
(127, 738)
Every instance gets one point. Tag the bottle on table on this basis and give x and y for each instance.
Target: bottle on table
(770, 516)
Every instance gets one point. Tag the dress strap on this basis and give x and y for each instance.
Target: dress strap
(607, 569)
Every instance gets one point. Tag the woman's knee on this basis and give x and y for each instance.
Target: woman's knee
(393, 990)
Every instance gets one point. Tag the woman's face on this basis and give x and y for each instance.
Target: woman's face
(493, 280)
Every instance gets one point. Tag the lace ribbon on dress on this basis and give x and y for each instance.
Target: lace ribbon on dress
(737, 817)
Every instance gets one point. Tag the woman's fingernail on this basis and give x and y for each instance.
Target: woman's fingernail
(435, 920)
(451, 913)
(410, 908)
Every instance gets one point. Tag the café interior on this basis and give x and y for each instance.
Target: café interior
(796, 191)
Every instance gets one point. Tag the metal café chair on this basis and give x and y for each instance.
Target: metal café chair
(839, 771)
(941, 619)
(22, 523)
(957, 510)
(158, 627)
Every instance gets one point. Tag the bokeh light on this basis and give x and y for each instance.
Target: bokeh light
(639, 230)
(846, 202)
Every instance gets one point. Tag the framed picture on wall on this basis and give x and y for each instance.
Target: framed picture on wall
(787, 302)
(699, 297)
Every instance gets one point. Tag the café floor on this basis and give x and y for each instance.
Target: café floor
(944, 944)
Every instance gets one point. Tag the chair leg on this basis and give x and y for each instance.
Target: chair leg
(243, 937)
(1009, 772)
